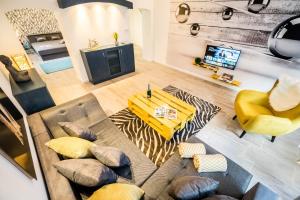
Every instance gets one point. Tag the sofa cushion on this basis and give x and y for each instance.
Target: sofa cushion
(75, 130)
(86, 172)
(232, 183)
(210, 163)
(141, 167)
(84, 111)
(118, 191)
(71, 147)
(220, 197)
(188, 150)
(110, 156)
(192, 187)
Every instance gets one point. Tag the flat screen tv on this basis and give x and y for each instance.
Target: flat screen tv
(221, 57)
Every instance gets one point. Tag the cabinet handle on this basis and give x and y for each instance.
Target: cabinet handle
(103, 54)
(121, 51)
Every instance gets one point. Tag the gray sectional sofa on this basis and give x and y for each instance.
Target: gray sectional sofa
(87, 112)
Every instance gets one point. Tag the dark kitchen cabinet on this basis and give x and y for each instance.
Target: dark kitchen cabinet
(108, 62)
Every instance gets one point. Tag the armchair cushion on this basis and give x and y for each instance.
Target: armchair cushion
(268, 124)
(286, 94)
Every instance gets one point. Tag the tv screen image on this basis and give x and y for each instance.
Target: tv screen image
(221, 57)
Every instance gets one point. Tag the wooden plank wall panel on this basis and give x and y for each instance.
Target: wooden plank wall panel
(265, 22)
(247, 29)
(275, 7)
(236, 36)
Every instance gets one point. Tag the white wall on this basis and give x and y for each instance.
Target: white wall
(161, 29)
(91, 21)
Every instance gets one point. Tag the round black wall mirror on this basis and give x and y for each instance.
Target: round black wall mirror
(255, 6)
(195, 28)
(183, 13)
(227, 13)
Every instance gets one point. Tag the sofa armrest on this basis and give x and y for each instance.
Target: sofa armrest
(58, 186)
(268, 124)
(260, 192)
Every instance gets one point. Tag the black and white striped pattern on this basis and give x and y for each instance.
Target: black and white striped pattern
(153, 144)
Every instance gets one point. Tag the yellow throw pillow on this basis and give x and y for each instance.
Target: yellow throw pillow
(118, 191)
(71, 147)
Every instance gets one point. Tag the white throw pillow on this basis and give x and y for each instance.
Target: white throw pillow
(286, 95)
(188, 150)
(210, 163)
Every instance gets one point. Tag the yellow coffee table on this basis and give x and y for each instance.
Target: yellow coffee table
(144, 108)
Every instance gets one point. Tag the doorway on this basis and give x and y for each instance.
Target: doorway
(39, 34)
(141, 31)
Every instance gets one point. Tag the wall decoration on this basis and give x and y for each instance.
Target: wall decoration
(284, 41)
(195, 28)
(244, 29)
(227, 13)
(183, 12)
(31, 21)
(255, 6)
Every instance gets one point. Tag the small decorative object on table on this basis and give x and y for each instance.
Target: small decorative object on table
(116, 37)
(18, 76)
(149, 93)
(221, 78)
(198, 61)
(21, 61)
(226, 78)
(93, 43)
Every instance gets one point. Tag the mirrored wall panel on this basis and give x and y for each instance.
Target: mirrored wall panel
(13, 140)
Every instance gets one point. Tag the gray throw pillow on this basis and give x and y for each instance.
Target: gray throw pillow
(220, 197)
(192, 187)
(86, 172)
(76, 130)
(110, 156)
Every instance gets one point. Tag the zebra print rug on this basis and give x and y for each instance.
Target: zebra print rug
(152, 144)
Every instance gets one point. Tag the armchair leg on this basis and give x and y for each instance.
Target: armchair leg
(234, 117)
(243, 134)
(273, 139)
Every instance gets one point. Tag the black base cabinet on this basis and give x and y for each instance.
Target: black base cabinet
(33, 95)
(108, 62)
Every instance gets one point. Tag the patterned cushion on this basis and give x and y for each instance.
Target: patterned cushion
(118, 191)
(188, 150)
(71, 147)
(210, 163)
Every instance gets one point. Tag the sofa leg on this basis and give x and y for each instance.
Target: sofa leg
(234, 117)
(243, 134)
(273, 139)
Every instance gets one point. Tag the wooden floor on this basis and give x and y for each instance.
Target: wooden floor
(272, 164)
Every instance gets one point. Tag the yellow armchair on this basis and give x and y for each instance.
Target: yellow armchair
(255, 115)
